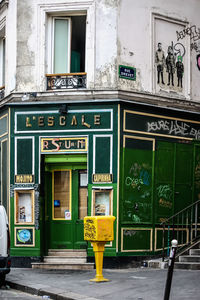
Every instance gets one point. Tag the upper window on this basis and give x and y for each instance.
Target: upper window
(2, 58)
(66, 47)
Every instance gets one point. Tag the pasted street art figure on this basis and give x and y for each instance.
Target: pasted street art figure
(160, 61)
(198, 61)
(179, 71)
(170, 64)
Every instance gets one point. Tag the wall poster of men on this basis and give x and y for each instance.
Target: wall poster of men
(170, 56)
(170, 67)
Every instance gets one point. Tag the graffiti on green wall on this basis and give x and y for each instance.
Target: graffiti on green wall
(137, 182)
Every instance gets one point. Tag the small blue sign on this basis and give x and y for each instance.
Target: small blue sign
(56, 203)
(127, 72)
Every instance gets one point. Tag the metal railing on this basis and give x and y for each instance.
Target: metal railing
(183, 226)
(2, 92)
(66, 81)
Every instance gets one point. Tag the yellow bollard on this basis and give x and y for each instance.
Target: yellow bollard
(99, 230)
(98, 248)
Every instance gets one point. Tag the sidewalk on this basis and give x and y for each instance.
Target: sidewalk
(134, 284)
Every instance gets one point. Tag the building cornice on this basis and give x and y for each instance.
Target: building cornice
(81, 96)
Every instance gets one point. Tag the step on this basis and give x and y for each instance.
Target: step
(67, 253)
(55, 266)
(65, 259)
(189, 258)
(194, 252)
(187, 265)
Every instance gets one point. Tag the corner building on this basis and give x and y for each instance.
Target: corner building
(94, 122)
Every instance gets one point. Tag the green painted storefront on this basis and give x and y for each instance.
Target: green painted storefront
(138, 163)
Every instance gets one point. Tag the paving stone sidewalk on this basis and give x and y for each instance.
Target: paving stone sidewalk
(124, 284)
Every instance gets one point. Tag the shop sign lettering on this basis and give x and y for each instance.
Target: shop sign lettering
(71, 121)
(25, 178)
(102, 178)
(50, 121)
(63, 144)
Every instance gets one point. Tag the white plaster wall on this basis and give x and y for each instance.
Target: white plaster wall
(35, 64)
(10, 59)
(26, 46)
(135, 34)
(106, 44)
(101, 42)
(118, 32)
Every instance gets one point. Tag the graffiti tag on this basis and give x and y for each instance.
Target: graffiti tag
(174, 127)
(192, 31)
(165, 203)
(129, 232)
(133, 181)
(165, 191)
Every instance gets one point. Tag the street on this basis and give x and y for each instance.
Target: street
(10, 294)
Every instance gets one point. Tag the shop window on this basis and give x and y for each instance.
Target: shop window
(102, 202)
(2, 62)
(4, 172)
(24, 206)
(67, 44)
(62, 195)
(83, 194)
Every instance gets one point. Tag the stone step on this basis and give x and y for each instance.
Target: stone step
(194, 251)
(67, 253)
(65, 259)
(187, 265)
(71, 266)
(189, 258)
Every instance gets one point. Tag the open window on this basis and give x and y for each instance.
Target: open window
(66, 45)
(66, 52)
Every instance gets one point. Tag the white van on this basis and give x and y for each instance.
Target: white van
(5, 261)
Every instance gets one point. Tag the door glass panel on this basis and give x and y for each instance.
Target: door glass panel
(61, 207)
(83, 193)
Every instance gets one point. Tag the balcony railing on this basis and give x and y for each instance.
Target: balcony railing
(2, 92)
(66, 81)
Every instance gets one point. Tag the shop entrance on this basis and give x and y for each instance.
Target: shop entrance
(66, 201)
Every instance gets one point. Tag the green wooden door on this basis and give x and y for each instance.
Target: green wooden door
(164, 180)
(66, 206)
(183, 188)
(137, 178)
(173, 178)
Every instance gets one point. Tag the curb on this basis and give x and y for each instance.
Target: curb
(156, 264)
(55, 294)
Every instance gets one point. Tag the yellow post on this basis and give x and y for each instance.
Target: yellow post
(98, 248)
(99, 230)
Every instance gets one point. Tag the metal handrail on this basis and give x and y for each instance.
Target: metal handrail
(182, 226)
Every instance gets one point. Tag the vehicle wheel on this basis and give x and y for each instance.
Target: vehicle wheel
(2, 280)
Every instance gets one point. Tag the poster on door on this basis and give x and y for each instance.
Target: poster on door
(67, 215)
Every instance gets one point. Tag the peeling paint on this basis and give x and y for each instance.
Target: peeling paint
(26, 45)
(106, 77)
(111, 3)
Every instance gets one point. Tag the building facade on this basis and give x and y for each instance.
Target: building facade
(99, 116)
